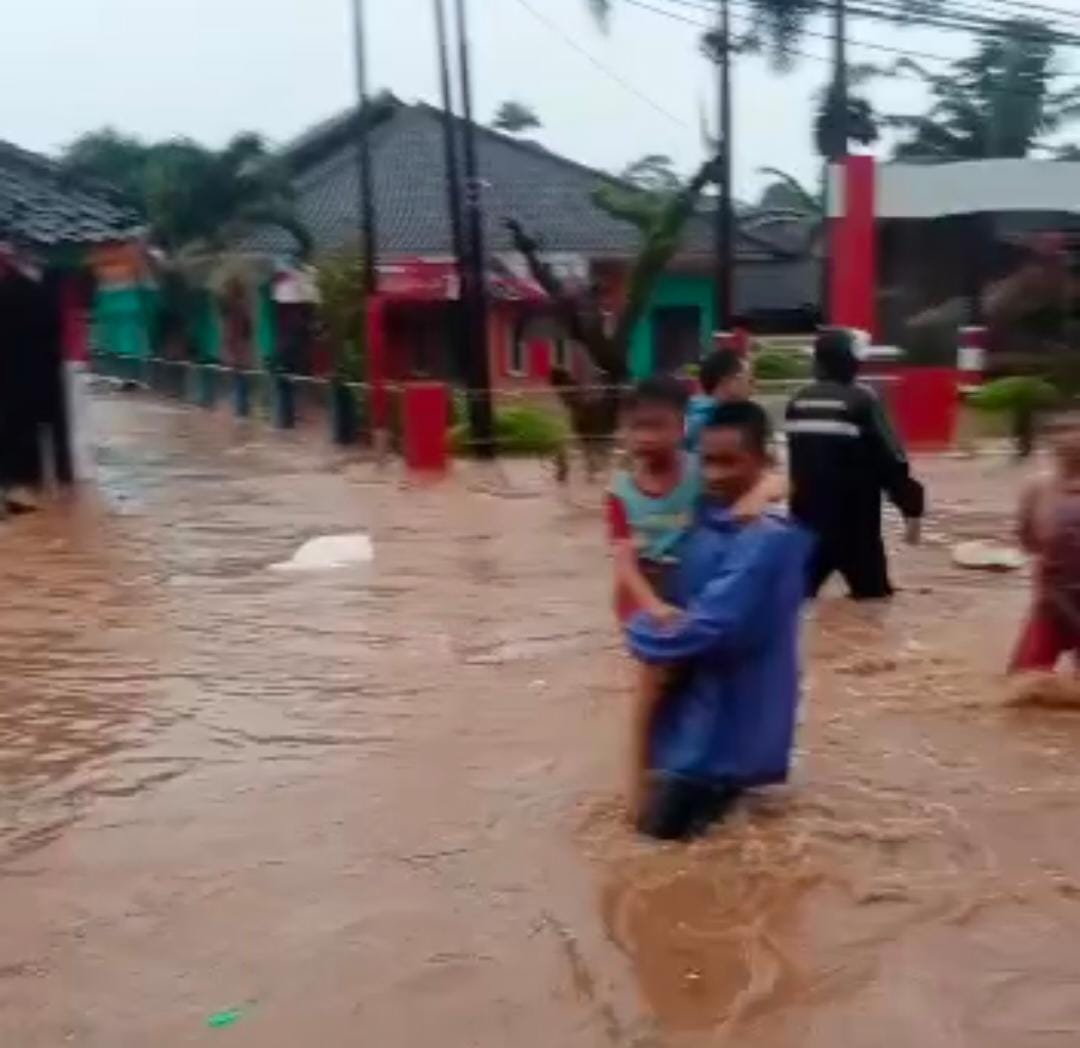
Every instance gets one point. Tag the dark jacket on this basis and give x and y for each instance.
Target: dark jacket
(843, 455)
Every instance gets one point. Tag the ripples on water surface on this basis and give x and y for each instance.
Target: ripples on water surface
(381, 801)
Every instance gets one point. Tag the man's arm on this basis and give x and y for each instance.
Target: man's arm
(725, 616)
(891, 461)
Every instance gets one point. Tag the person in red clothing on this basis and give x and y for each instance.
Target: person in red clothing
(1050, 529)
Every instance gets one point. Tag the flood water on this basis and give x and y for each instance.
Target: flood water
(380, 805)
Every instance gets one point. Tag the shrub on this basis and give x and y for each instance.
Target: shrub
(1018, 393)
(779, 365)
(520, 430)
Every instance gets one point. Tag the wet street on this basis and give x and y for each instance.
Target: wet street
(379, 805)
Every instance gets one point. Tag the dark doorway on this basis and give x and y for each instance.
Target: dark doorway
(676, 337)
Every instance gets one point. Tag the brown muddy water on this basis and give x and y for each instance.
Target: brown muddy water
(379, 806)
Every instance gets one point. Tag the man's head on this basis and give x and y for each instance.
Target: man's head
(725, 375)
(656, 419)
(834, 357)
(734, 450)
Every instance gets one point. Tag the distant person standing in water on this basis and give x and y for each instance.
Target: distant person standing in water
(843, 455)
(1050, 529)
(725, 376)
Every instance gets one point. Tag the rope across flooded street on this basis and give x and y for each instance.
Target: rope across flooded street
(384, 796)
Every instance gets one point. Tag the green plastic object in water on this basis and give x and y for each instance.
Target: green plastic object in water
(221, 1020)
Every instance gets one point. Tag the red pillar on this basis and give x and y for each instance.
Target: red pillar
(853, 249)
(426, 416)
(738, 340)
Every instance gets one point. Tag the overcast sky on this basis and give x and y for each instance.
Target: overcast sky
(208, 68)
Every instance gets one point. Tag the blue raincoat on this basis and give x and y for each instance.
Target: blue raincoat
(730, 719)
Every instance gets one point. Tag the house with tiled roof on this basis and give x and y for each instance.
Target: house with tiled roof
(70, 225)
(54, 232)
(43, 207)
(552, 197)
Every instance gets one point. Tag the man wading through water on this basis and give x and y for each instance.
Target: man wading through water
(843, 455)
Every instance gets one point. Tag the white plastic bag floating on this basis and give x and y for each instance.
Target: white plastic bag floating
(330, 551)
(988, 556)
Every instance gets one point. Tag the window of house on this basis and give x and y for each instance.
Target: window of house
(676, 338)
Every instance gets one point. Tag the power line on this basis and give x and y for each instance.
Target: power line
(967, 19)
(595, 62)
(673, 16)
(698, 6)
(892, 12)
(1023, 10)
(826, 59)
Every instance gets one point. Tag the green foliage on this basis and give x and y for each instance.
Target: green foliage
(1013, 395)
(189, 194)
(515, 117)
(654, 173)
(522, 430)
(341, 312)
(830, 122)
(778, 365)
(999, 102)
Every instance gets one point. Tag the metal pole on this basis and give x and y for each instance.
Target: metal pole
(474, 289)
(365, 181)
(725, 216)
(840, 79)
(837, 145)
(453, 194)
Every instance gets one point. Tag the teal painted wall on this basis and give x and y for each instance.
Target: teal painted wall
(673, 289)
(265, 330)
(122, 321)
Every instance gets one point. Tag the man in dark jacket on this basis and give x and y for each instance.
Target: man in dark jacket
(843, 455)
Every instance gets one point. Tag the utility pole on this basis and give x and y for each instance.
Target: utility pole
(725, 215)
(837, 146)
(474, 287)
(365, 181)
(459, 345)
(840, 80)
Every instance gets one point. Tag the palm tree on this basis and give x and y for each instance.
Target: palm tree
(515, 117)
(191, 196)
(998, 102)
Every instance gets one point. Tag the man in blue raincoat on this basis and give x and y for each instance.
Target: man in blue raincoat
(726, 719)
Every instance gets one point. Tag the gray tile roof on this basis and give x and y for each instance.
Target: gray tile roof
(549, 194)
(42, 206)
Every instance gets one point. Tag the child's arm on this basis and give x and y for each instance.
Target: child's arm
(772, 488)
(628, 576)
(630, 580)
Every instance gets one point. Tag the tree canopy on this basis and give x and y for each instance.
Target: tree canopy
(515, 117)
(186, 192)
(1001, 101)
